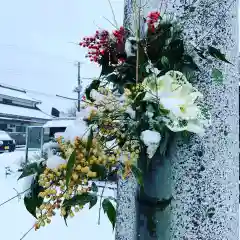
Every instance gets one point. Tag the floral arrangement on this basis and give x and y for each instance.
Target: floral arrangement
(143, 97)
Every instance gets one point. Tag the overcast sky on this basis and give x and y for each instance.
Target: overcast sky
(36, 44)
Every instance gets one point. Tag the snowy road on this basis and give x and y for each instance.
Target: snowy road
(16, 221)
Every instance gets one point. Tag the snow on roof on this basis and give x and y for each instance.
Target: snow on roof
(23, 112)
(17, 93)
(48, 102)
(58, 123)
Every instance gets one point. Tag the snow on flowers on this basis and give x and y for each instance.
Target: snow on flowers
(175, 94)
(142, 97)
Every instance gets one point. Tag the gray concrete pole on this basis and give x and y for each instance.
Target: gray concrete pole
(202, 176)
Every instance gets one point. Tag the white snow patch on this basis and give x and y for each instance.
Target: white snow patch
(78, 129)
(4, 136)
(49, 145)
(151, 139)
(98, 97)
(110, 144)
(21, 111)
(85, 112)
(55, 161)
(27, 182)
(58, 123)
(131, 112)
(131, 46)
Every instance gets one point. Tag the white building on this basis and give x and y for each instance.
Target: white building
(18, 110)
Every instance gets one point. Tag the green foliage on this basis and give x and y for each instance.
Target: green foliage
(94, 187)
(110, 210)
(100, 170)
(68, 208)
(216, 53)
(165, 62)
(94, 85)
(31, 200)
(89, 143)
(30, 169)
(70, 165)
(81, 200)
(137, 174)
(200, 53)
(217, 75)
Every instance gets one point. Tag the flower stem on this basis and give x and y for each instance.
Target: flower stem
(10, 199)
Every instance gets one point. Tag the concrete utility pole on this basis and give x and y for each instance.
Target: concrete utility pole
(201, 176)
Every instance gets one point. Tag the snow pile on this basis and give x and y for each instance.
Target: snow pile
(49, 145)
(4, 136)
(151, 139)
(79, 129)
(21, 111)
(85, 112)
(55, 161)
(27, 182)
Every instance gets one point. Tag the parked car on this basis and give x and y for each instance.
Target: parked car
(7, 144)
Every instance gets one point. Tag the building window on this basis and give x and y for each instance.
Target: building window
(6, 101)
(3, 126)
(20, 129)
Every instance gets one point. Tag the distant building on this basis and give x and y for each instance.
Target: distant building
(18, 110)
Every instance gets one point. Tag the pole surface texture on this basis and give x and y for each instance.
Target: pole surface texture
(202, 175)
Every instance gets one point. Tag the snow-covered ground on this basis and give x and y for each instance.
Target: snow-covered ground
(16, 221)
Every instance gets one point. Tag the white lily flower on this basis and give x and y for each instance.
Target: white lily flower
(174, 93)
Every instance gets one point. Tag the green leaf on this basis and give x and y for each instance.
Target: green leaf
(188, 62)
(89, 143)
(31, 200)
(81, 199)
(200, 53)
(137, 174)
(109, 209)
(100, 170)
(94, 187)
(165, 62)
(70, 164)
(94, 85)
(29, 170)
(217, 75)
(93, 201)
(216, 53)
(67, 209)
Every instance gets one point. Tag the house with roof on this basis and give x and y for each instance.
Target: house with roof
(18, 110)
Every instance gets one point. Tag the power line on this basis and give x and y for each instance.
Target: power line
(38, 92)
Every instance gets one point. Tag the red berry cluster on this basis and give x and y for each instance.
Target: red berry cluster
(97, 45)
(152, 18)
(101, 44)
(119, 35)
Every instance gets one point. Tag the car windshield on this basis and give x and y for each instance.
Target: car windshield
(4, 136)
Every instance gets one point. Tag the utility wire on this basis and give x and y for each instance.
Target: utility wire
(39, 92)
